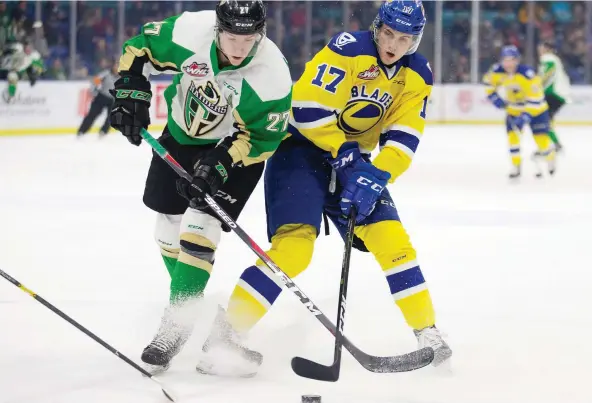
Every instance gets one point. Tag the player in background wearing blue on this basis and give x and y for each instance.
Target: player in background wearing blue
(362, 89)
(525, 105)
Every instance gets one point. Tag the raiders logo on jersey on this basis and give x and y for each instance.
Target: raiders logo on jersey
(204, 108)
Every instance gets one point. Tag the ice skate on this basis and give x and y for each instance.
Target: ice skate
(551, 166)
(514, 172)
(431, 337)
(167, 343)
(224, 353)
(548, 158)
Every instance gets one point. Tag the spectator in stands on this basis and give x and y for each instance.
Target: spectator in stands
(56, 71)
(86, 34)
(502, 22)
(4, 23)
(100, 51)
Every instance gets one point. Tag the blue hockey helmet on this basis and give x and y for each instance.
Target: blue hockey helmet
(510, 51)
(407, 16)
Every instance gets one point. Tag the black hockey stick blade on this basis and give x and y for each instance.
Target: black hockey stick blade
(166, 393)
(381, 365)
(313, 370)
(397, 363)
(309, 369)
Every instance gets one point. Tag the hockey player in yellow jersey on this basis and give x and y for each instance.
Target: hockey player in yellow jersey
(524, 103)
(362, 89)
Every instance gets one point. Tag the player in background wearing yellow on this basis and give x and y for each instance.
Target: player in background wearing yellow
(362, 89)
(525, 105)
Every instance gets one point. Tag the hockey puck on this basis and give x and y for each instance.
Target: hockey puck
(311, 399)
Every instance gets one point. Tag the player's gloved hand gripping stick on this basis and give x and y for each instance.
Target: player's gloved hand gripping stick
(400, 363)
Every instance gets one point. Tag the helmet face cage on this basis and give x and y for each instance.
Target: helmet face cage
(241, 18)
(403, 16)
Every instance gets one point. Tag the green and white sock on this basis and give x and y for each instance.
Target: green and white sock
(188, 281)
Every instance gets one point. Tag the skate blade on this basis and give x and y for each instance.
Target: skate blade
(211, 371)
(442, 364)
(442, 356)
(224, 362)
(444, 369)
(155, 369)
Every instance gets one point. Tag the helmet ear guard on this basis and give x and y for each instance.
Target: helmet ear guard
(406, 16)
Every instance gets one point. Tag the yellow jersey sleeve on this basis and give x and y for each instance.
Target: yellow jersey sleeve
(491, 79)
(319, 96)
(403, 130)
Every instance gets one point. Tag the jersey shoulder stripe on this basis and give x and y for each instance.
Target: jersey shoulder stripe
(419, 64)
(497, 68)
(526, 71)
(353, 44)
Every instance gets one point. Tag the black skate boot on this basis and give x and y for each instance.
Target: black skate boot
(549, 158)
(515, 172)
(431, 337)
(224, 353)
(166, 344)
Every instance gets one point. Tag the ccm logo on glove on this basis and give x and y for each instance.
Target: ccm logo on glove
(343, 161)
(367, 182)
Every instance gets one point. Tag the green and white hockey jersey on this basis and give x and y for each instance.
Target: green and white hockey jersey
(555, 79)
(206, 103)
(19, 61)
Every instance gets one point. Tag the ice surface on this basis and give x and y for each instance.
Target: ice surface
(508, 265)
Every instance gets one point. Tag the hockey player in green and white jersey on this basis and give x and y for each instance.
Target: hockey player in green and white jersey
(19, 60)
(556, 84)
(228, 110)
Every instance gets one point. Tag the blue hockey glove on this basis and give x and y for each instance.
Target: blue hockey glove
(348, 158)
(362, 190)
(520, 120)
(523, 119)
(497, 101)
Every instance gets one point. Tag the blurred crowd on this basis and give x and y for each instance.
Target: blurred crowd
(97, 31)
(561, 23)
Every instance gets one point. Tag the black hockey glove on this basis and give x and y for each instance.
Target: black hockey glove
(211, 172)
(130, 110)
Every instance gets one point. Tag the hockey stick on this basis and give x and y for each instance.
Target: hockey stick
(399, 363)
(90, 334)
(313, 370)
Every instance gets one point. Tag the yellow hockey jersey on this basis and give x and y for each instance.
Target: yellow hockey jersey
(347, 94)
(523, 89)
